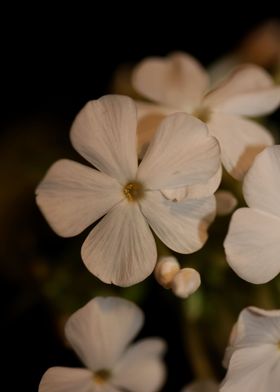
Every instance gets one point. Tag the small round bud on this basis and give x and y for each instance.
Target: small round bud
(185, 282)
(226, 202)
(166, 268)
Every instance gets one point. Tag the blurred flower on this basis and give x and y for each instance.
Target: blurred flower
(179, 83)
(202, 386)
(121, 248)
(252, 244)
(253, 355)
(100, 333)
(226, 202)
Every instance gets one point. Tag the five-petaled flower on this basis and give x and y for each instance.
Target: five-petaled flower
(253, 354)
(179, 83)
(121, 248)
(100, 333)
(252, 244)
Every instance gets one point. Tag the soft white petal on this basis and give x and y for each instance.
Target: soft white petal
(249, 90)
(178, 80)
(181, 226)
(252, 245)
(226, 202)
(73, 196)
(141, 369)
(240, 141)
(104, 133)
(197, 191)
(100, 331)
(121, 248)
(202, 386)
(261, 187)
(181, 153)
(149, 118)
(61, 379)
(250, 369)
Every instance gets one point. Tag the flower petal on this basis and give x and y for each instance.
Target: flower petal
(240, 141)
(181, 153)
(121, 248)
(62, 379)
(249, 91)
(73, 196)
(141, 368)
(149, 118)
(250, 369)
(178, 80)
(181, 226)
(261, 187)
(104, 133)
(100, 331)
(252, 245)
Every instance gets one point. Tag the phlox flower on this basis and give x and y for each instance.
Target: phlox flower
(252, 244)
(179, 83)
(253, 354)
(100, 333)
(121, 249)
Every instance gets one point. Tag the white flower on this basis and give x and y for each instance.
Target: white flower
(100, 333)
(121, 248)
(253, 356)
(252, 244)
(202, 386)
(179, 83)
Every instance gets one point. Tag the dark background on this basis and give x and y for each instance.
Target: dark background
(52, 64)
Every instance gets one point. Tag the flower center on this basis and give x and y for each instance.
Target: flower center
(133, 191)
(101, 376)
(202, 113)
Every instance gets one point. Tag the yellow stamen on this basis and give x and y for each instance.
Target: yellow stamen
(133, 191)
(101, 376)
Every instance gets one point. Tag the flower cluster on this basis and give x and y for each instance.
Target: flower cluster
(155, 166)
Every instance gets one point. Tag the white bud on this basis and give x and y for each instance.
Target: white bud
(166, 268)
(185, 282)
(226, 202)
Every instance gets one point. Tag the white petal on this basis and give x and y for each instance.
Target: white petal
(252, 245)
(226, 202)
(202, 386)
(100, 331)
(141, 368)
(73, 196)
(104, 133)
(186, 282)
(166, 268)
(261, 186)
(121, 248)
(197, 191)
(61, 379)
(240, 141)
(250, 370)
(181, 153)
(249, 90)
(149, 118)
(181, 226)
(178, 80)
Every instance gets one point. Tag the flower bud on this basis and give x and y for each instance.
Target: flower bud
(166, 268)
(185, 282)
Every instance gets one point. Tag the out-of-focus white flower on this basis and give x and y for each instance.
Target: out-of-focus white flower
(252, 244)
(165, 270)
(121, 248)
(185, 282)
(179, 83)
(253, 356)
(226, 202)
(202, 386)
(100, 333)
